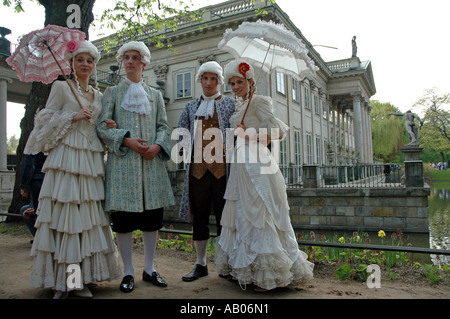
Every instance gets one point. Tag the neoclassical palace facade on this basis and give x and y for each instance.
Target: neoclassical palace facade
(330, 108)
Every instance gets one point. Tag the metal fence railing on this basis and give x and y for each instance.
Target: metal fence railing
(407, 249)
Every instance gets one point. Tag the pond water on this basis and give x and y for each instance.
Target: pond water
(439, 218)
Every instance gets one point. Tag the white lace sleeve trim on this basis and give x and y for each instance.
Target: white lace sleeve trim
(50, 127)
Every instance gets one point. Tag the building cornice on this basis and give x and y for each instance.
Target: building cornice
(230, 14)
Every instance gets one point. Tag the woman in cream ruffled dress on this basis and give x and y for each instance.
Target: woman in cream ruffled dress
(257, 244)
(72, 228)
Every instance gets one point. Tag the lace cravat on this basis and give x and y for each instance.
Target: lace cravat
(136, 99)
(206, 107)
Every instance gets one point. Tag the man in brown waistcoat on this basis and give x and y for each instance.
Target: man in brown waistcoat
(206, 174)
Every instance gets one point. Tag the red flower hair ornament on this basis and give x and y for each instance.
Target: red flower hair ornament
(243, 68)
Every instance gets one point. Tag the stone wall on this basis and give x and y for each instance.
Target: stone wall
(389, 209)
(373, 209)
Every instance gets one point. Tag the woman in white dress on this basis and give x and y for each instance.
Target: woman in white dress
(257, 244)
(74, 244)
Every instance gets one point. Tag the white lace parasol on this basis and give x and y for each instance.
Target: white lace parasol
(269, 46)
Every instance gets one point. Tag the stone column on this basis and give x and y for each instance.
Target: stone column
(312, 94)
(7, 178)
(369, 109)
(3, 137)
(333, 119)
(328, 103)
(364, 130)
(357, 123)
(367, 134)
(350, 130)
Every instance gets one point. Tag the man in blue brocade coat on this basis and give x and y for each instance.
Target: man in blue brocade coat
(205, 181)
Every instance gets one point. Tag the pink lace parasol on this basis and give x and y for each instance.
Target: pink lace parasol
(40, 54)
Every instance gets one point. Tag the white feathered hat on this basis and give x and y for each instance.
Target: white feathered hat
(212, 67)
(76, 47)
(135, 46)
(240, 68)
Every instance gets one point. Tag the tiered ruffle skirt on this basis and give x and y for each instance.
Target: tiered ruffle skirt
(257, 244)
(266, 257)
(72, 227)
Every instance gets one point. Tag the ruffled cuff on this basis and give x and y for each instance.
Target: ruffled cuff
(50, 127)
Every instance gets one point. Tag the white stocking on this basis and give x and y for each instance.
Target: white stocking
(150, 239)
(125, 244)
(200, 247)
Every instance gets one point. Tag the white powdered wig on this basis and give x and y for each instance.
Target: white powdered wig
(135, 46)
(211, 67)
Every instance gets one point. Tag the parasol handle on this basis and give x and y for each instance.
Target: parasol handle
(65, 77)
(248, 104)
(257, 79)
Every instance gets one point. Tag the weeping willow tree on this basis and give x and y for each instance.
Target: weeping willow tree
(388, 132)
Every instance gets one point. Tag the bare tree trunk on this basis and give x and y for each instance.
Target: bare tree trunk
(55, 13)
(443, 156)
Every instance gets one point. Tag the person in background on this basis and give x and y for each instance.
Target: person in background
(29, 217)
(31, 183)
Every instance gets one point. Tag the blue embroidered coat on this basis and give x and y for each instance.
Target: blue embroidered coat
(224, 108)
(134, 184)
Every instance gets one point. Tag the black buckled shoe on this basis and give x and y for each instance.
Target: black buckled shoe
(197, 272)
(154, 278)
(127, 284)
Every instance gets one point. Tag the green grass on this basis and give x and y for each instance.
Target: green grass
(13, 228)
(436, 175)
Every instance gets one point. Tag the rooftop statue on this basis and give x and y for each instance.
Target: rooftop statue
(354, 47)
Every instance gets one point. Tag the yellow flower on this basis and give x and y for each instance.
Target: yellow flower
(342, 240)
(381, 234)
(357, 238)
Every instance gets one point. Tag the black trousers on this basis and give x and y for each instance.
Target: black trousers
(126, 222)
(206, 196)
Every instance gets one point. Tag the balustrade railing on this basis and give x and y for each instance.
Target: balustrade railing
(109, 78)
(360, 176)
(333, 176)
(339, 65)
